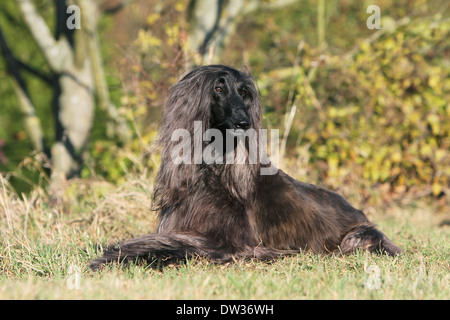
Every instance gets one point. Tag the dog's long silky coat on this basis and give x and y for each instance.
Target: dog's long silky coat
(230, 211)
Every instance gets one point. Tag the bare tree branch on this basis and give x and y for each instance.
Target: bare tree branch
(31, 121)
(54, 51)
(115, 7)
(119, 126)
(35, 72)
(213, 21)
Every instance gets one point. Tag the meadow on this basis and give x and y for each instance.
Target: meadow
(361, 111)
(46, 245)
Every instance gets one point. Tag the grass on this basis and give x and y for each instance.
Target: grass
(46, 244)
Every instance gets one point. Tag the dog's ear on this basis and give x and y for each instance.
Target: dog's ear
(245, 69)
(255, 111)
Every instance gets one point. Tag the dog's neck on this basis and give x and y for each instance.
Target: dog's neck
(238, 178)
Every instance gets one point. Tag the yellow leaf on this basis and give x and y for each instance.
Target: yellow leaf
(151, 19)
(426, 150)
(436, 188)
(415, 117)
(433, 120)
(396, 157)
(333, 162)
(439, 155)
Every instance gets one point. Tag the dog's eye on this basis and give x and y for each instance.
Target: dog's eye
(243, 93)
(218, 89)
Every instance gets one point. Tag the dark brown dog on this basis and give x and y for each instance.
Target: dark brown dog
(226, 211)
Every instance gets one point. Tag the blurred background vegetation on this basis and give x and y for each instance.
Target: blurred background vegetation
(360, 110)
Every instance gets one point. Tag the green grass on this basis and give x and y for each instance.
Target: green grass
(45, 247)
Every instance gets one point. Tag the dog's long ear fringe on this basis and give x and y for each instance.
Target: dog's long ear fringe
(189, 101)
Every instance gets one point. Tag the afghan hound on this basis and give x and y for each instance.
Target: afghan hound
(226, 209)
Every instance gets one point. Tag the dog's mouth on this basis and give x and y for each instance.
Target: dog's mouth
(235, 129)
(240, 127)
(236, 132)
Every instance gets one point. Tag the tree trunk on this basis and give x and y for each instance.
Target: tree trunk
(73, 102)
(31, 121)
(214, 21)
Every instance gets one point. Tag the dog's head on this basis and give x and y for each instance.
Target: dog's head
(231, 101)
(224, 97)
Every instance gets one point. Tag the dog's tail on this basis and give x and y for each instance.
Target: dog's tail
(176, 247)
(158, 246)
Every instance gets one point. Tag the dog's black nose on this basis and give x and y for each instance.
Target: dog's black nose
(242, 124)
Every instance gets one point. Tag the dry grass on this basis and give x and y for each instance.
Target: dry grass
(46, 245)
